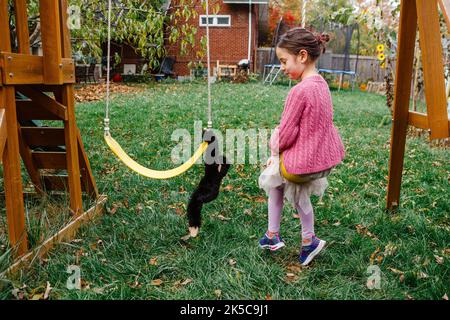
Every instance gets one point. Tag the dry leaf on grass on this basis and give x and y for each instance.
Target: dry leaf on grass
(232, 262)
(154, 261)
(157, 282)
(365, 231)
(222, 218)
(439, 260)
(47, 291)
(218, 293)
(186, 237)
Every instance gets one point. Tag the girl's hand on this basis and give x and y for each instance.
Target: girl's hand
(274, 142)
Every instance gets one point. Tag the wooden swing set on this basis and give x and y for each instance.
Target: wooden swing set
(41, 88)
(423, 14)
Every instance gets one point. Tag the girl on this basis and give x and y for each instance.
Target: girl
(307, 142)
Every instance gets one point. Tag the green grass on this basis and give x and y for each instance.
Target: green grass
(118, 267)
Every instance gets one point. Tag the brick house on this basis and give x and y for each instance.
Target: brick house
(229, 34)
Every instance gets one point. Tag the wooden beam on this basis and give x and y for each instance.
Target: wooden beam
(45, 102)
(23, 34)
(433, 68)
(2, 132)
(73, 164)
(29, 163)
(445, 7)
(28, 110)
(15, 211)
(51, 41)
(64, 235)
(405, 58)
(86, 172)
(420, 120)
(50, 160)
(43, 136)
(25, 69)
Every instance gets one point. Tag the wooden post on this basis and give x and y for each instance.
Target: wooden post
(23, 35)
(405, 58)
(70, 126)
(433, 68)
(51, 41)
(11, 158)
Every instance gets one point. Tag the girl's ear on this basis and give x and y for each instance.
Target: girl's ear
(302, 56)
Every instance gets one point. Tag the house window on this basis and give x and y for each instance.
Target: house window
(216, 21)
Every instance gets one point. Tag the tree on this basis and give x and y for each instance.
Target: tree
(145, 25)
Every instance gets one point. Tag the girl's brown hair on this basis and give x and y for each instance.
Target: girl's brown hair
(298, 39)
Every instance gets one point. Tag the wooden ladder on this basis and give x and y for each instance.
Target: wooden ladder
(32, 89)
(424, 15)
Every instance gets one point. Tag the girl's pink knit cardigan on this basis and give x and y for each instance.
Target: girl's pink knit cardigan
(306, 135)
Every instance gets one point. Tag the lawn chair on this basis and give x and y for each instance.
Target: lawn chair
(167, 67)
(91, 73)
(80, 74)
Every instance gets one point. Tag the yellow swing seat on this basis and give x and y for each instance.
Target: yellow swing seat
(149, 173)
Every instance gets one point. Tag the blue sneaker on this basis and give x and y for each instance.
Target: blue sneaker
(272, 244)
(309, 252)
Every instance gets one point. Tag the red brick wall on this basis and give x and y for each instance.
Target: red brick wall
(227, 44)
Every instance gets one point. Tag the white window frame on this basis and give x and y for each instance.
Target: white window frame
(215, 23)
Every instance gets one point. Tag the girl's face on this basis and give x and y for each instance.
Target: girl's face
(292, 65)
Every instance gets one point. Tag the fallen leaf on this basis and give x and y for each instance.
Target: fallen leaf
(445, 297)
(156, 282)
(139, 208)
(396, 271)
(409, 297)
(218, 293)
(294, 268)
(268, 297)
(47, 291)
(37, 296)
(389, 249)
(228, 187)
(290, 275)
(222, 218)
(186, 282)
(373, 256)
(439, 260)
(154, 261)
(260, 199)
(18, 294)
(186, 237)
(114, 208)
(422, 275)
(98, 290)
(232, 262)
(85, 285)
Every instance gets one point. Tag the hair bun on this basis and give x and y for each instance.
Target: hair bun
(323, 38)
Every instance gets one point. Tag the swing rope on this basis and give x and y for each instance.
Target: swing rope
(115, 146)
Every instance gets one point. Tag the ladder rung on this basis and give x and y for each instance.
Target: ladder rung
(50, 160)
